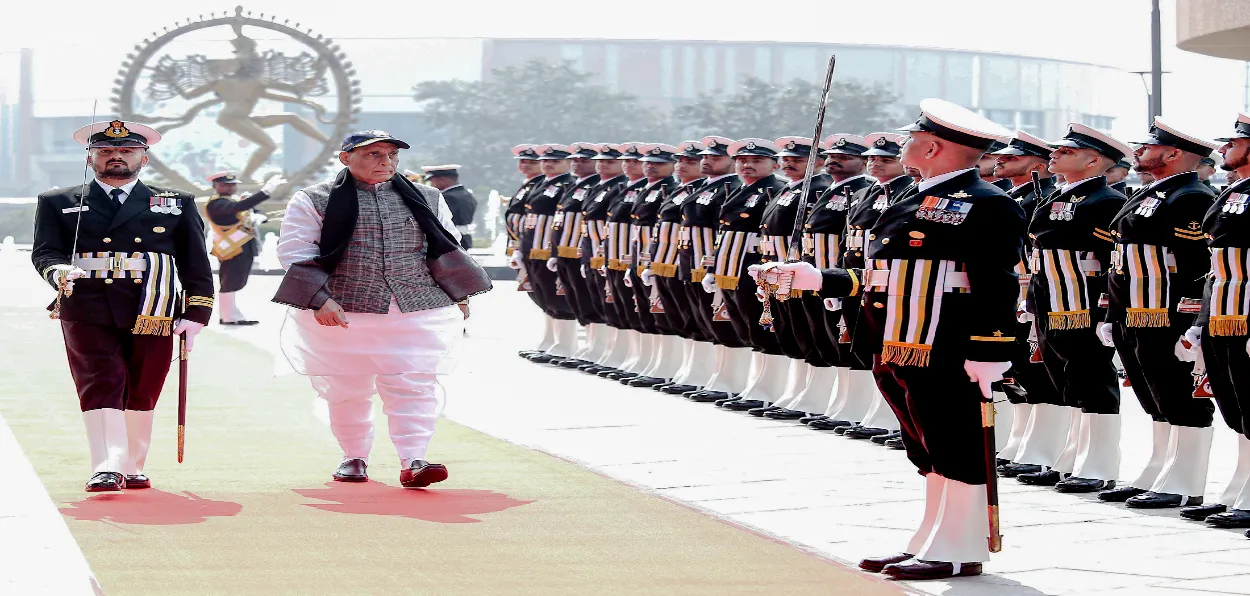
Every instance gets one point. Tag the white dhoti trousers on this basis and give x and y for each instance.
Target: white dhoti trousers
(409, 400)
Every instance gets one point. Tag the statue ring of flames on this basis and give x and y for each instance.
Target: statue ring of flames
(231, 89)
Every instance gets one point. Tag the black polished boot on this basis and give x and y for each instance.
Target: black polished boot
(352, 470)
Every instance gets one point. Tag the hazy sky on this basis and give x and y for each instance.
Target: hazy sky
(1201, 93)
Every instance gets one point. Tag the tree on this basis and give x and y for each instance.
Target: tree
(763, 110)
(534, 103)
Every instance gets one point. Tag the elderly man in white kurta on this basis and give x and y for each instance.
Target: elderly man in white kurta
(382, 323)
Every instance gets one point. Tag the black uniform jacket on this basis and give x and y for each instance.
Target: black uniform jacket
(461, 203)
(980, 324)
(866, 205)
(1028, 199)
(703, 209)
(743, 211)
(1227, 226)
(224, 211)
(1168, 213)
(779, 215)
(130, 228)
(1078, 219)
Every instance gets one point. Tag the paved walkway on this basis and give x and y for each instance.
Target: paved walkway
(836, 497)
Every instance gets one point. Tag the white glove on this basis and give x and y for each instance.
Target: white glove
(1104, 334)
(754, 272)
(629, 280)
(806, 275)
(709, 283)
(1247, 346)
(67, 273)
(515, 260)
(191, 328)
(585, 271)
(1022, 312)
(1186, 348)
(985, 373)
(258, 218)
(272, 184)
(552, 264)
(647, 276)
(603, 271)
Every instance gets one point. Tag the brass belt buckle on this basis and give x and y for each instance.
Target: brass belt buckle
(116, 264)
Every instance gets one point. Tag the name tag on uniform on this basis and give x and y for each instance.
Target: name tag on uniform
(76, 209)
(705, 197)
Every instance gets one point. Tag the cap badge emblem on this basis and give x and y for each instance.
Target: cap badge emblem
(791, 145)
(880, 142)
(656, 151)
(750, 145)
(840, 143)
(116, 130)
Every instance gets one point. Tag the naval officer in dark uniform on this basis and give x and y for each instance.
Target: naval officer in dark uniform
(118, 255)
(939, 298)
(460, 201)
(232, 225)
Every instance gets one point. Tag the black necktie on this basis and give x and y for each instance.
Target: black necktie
(117, 193)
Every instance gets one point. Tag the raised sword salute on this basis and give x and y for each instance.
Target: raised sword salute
(939, 295)
(122, 254)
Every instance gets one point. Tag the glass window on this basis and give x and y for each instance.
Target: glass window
(666, 72)
(958, 79)
(764, 64)
(1031, 121)
(612, 66)
(574, 54)
(709, 69)
(799, 63)
(868, 66)
(687, 71)
(1000, 82)
(922, 76)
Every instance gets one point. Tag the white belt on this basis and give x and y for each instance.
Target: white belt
(114, 263)
(880, 278)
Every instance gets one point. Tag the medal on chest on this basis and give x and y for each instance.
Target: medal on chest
(579, 194)
(753, 201)
(705, 197)
(1235, 203)
(1148, 206)
(1061, 211)
(881, 203)
(631, 196)
(520, 193)
(786, 198)
(164, 202)
(652, 197)
(938, 209)
(551, 191)
(680, 197)
(599, 199)
(836, 203)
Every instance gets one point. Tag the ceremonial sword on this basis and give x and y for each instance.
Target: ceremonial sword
(63, 287)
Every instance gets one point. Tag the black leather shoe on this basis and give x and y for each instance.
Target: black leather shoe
(742, 405)
(1202, 512)
(542, 358)
(138, 481)
(421, 473)
(1233, 518)
(1045, 478)
(661, 386)
(1000, 462)
(106, 482)
(679, 389)
(720, 403)
(1072, 484)
(922, 570)
(1013, 469)
(643, 381)
(864, 432)
(810, 418)
(881, 439)
(876, 564)
(828, 423)
(352, 470)
(707, 397)
(760, 411)
(844, 429)
(573, 363)
(1120, 494)
(617, 375)
(895, 444)
(1154, 500)
(528, 353)
(784, 414)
